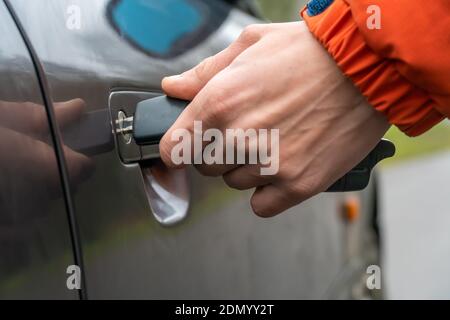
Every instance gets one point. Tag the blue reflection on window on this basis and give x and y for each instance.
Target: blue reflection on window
(156, 25)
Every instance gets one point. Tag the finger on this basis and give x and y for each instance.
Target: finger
(207, 102)
(28, 158)
(35, 162)
(215, 170)
(240, 147)
(187, 85)
(69, 111)
(219, 155)
(203, 116)
(25, 117)
(246, 177)
(79, 167)
(271, 200)
(178, 141)
(31, 119)
(187, 131)
(205, 122)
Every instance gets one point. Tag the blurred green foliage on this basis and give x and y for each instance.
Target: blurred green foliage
(435, 140)
(281, 10)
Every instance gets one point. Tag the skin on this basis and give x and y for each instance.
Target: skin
(277, 76)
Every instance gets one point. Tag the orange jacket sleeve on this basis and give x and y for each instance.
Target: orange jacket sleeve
(402, 65)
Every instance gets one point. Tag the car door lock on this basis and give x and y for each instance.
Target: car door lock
(122, 105)
(124, 127)
(151, 120)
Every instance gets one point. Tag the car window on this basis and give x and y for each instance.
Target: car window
(186, 23)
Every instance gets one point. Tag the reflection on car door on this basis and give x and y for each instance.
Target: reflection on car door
(35, 243)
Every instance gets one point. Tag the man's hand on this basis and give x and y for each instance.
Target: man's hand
(277, 76)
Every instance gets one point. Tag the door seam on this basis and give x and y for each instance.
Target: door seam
(60, 157)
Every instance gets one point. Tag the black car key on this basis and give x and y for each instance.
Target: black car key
(155, 116)
(359, 178)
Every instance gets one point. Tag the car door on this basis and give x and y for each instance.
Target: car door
(148, 232)
(35, 235)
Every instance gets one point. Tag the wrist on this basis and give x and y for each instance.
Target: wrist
(403, 104)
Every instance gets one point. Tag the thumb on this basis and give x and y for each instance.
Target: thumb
(69, 112)
(187, 85)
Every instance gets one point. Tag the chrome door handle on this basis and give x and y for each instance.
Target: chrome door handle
(168, 193)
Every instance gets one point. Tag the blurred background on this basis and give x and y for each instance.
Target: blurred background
(415, 201)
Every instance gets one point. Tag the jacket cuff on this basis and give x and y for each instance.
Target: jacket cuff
(404, 104)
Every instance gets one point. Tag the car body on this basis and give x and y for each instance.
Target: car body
(136, 229)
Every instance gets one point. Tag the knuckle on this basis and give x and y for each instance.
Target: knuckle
(202, 71)
(251, 34)
(217, 105)
(297, 186)
(233, 183)
(207, 171)
(79, 103)
(286, 174)
(303, 190)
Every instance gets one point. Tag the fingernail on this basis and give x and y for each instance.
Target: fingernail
(175, 78)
